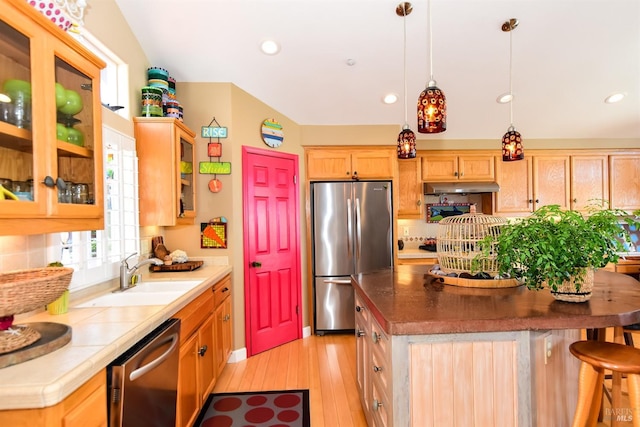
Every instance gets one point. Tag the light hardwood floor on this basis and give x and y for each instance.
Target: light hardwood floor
(325, 365)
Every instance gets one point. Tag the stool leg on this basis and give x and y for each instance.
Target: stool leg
(633, 382)
(590, 383)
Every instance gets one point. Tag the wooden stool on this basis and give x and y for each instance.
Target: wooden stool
(596, 356)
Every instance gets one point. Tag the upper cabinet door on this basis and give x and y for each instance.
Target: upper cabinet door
(551, 180)
(516, 190)
(625, 181)
(439, 167)
(50, 127)
(589, 181)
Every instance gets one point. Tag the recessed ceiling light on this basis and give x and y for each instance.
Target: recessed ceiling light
(614, 97)
(390, 98)
(351, 62)
(270, 47)
(505, 98)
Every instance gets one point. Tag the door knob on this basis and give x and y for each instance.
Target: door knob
(256, 264)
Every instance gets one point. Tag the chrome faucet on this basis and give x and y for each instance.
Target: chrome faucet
(126, 272)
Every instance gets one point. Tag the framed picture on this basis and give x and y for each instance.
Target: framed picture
(437, 211)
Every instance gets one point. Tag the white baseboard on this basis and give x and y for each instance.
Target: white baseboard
(238, 355)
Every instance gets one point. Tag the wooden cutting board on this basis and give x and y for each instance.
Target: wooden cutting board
(185, 266)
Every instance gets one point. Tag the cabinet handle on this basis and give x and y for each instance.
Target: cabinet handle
(256, 264)
(419, 202)
(455, 173)
(225, 289)
(59, 182)
(226, 318)
(376, 404)
(375, 337)
(359, 309)
(377, 368)
(360, 333)
(575, 200)
(202, 350)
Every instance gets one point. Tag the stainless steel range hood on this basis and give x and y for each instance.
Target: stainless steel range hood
(460, 187)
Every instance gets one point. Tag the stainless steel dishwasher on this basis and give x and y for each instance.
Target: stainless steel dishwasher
(143, 381)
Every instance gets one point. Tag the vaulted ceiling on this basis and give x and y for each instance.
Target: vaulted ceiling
(338, 59)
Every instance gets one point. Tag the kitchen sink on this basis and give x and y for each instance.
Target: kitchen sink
(164, 286)
(146, 293)
(128, 299)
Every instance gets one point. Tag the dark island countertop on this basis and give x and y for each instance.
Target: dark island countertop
(404, 302)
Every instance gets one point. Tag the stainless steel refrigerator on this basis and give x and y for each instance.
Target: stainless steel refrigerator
(352, 233)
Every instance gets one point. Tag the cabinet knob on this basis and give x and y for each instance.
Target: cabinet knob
(376, 404)
(360, 333)
(359, 309)
(530, 201)
(225, 289)
(59, 182)
(455, 173)
(377, 368)
(575, 200)
(537, 201)
(419, 202)
(202, 350)
(226, 318)
(375, 337)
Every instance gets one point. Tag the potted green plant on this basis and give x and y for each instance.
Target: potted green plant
(558, 249)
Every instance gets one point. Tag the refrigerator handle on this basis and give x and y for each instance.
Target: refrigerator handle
(349, 227)
(358, 230)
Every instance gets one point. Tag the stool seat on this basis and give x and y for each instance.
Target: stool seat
(596, 356)
(608, 355)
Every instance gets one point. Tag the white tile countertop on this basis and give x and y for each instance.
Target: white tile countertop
(416, 253)
(98, 336)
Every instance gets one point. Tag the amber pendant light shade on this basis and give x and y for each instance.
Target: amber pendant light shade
(432, 110)
(512, 146)
(406, 144)
(406, 138)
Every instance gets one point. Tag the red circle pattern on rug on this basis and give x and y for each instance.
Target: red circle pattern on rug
(277, 410)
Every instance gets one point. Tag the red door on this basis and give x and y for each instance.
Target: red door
(272, 284)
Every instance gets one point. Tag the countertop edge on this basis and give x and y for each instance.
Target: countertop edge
(31, 393)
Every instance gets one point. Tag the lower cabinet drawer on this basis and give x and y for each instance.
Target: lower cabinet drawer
(381, 409)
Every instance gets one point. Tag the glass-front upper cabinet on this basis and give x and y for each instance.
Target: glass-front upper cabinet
(50, 127)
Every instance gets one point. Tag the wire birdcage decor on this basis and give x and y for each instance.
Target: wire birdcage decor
(458, 238)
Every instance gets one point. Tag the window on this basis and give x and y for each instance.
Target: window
(95, 255)
(114, 85)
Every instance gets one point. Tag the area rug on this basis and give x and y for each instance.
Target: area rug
(284, 408)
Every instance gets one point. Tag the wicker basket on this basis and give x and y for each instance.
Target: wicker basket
(25, 290)
(457, 242)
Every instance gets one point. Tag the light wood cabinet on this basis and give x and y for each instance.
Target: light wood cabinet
(166, 175)
(440, 167)
(625, 181)
(528, 184)
(85, 407)
(350, 163)
(223, 323)
(205, 345)
(410, 189)
(373, 368)
(37, 159)
(589, 180)
(196, 369)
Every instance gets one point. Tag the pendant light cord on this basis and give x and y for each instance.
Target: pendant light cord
(511, 75)
(430, 41)
(404, 53)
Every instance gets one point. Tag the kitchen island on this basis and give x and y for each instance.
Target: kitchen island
(431, 354)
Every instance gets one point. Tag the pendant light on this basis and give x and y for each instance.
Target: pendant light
(406, 138)
(512, 140)
(432, 104)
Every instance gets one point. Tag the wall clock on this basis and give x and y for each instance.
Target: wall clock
(272, 133)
